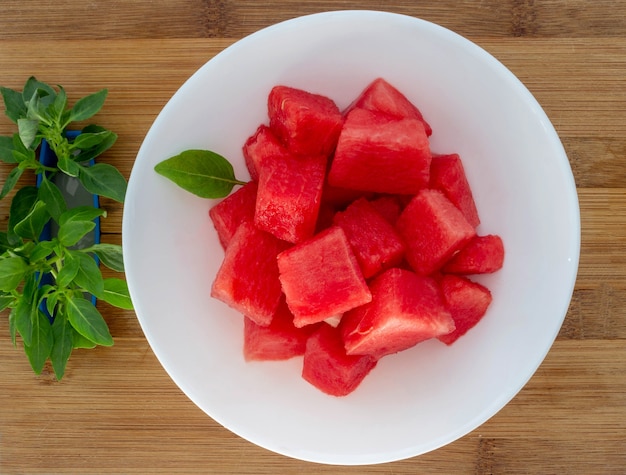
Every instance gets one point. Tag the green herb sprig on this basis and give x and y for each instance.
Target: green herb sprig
(56, 275)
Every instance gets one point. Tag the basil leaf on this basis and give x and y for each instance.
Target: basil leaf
(110, 255)
(88, 321)
(88, 277)
(5, 301)
(62, 345)
(36, 88)
(40, 346)
(32, 225)
(50, 194)
(104, 180)
(88, 106)
(41, 251)
(13, 104)
(79, 341)
(81, 213)
(87, 154)
(68, 166)
(12, 179)
(73, 231)
(6, 149)
(22, 319)
(68, 272)
(21, 153)
(204, 173)
(12, 272)
(27, 129)
(89, 140)
(57, 108)
(116, 293)
(22, 203)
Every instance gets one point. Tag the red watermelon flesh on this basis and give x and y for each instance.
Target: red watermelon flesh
(405, 310)
(280, 340)
(381, 154)
(448, 175)
(259, 147)
(321, 277)
(306, 123)
(289, 196)
(327, 367)
(247, 279)
(381, 96)
(433, 229)
(389, 208)
(236, 208)
(375, 242)
(482, 255)
(467, 302)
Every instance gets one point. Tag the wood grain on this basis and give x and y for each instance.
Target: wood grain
(117, 411)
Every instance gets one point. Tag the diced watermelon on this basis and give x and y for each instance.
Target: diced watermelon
(467, 302)
(381, 96)
(482, 255)
(280, 340)
(306, 123)
(321, 277)
(236, 208)
(327, 367)
(289, 196)
(389, 207)
(433, 230)
(259, 147)
(373, 239)
(448, 175)
(247, 280)
(405, 310)
(381, 154)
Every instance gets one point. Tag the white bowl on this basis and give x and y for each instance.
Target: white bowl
(420, 399)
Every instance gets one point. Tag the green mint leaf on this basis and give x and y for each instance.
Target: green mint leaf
(33, 223)
(27, 129)
(22, 319)
(116, 293)
(13, 104)
(6, 149)
(89, 276)
(110, 255)
(63, 344)
(12, 271)
(12, 179)
(68, 272)
(87, 320)
(104, 180)
(68, 166)
(38, 350)
(88, 140)
(88, 106)
(50, 194)
(204, 173)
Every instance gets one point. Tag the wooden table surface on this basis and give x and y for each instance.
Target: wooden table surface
(117, 411)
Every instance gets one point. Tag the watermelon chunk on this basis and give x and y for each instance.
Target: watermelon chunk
(381, 154)
(280, 340)
(405, 310)
(389, 207)
(381, 96)
(321, 277)
(263, 144)
(433, 229)
(247, 279)
(373, 239)
(467, 302)
(236, 208)
(306, 123)
(289, 196)
(448, 175)
(482, 255)
(327, 367)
